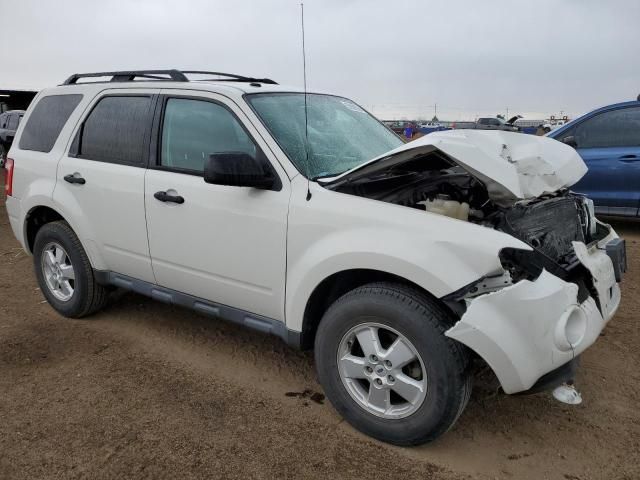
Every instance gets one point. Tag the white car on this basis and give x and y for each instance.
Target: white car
(405, 266)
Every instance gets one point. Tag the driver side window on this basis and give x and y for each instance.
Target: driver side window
(194, 129)
(616, 128)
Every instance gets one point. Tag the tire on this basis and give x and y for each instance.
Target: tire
(87, 295)
(420, 320)
(3, 155)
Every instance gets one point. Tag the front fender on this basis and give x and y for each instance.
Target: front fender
(334, 232)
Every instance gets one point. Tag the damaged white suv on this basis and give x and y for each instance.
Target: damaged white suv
(405, 266)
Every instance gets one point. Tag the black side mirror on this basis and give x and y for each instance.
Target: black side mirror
(237, 169)
(571, 141)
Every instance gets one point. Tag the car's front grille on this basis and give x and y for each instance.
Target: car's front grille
(548, 225)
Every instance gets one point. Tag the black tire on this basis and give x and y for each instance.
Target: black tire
(423, 322)
(3, 155)
(88, 296)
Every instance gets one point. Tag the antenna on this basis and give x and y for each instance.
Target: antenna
(306, 116)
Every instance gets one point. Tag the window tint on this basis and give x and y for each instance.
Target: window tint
(12, 124)
(115, 130)
(617, 128)
(46, 121)
(194, 129)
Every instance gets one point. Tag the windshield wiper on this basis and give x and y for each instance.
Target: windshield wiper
(327, 175)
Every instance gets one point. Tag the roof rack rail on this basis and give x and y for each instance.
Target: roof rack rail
(167, 75)
(232, 77)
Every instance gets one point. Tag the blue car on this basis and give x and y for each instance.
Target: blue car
(608, 140)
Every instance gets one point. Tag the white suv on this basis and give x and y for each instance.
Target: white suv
(405, 266)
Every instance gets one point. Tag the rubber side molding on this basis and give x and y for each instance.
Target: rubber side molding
(234, 315)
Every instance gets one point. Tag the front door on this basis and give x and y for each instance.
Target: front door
(221, 243)
(609, 143)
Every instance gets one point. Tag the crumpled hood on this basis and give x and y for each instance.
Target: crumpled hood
(512, 166)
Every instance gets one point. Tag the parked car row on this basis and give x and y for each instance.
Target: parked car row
(9, 122)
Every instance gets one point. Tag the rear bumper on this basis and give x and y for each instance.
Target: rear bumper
(15, 218)
(531, 328)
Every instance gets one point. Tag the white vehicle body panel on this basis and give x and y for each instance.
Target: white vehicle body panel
(224, 244)
(110, 206)
(511, 165)
(335, 232)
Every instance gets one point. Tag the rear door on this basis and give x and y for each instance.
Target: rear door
(101, 177)
(223, 243)
(609, 143)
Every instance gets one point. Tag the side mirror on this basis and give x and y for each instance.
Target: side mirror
(237, 169)
(571, 141)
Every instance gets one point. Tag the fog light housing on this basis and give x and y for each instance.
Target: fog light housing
(571, 328)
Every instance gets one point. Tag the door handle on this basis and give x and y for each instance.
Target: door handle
(165, 197)
(72, 178)
(628, 158)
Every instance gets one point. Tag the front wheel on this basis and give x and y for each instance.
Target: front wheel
(387, 367)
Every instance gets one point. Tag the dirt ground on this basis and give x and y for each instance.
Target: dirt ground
(143, 390)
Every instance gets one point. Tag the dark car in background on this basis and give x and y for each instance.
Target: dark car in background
(9, 122)
(608, 140)
(495, 123)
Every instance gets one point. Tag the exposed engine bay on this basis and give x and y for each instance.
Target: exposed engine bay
(549, 223)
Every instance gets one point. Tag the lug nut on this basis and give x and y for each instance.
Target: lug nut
(391, 379)
(373, 358)
(387, 364)
(378, 381)
(368, 369)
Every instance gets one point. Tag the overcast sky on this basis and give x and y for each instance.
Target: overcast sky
(396, 58)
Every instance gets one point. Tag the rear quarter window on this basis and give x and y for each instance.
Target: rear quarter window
(46, 121)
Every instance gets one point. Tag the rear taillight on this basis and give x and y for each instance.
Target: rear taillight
(8, 182)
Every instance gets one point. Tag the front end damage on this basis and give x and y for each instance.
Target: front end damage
(548, 303)
(536, 325)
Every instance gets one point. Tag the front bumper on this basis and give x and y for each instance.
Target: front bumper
(531, 328)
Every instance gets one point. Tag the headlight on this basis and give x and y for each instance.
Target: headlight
(590, 215)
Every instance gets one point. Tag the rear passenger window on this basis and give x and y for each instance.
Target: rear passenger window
(46, 121)
(194, 129)
(115, 130)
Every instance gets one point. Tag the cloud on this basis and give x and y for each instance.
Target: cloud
(396, 58)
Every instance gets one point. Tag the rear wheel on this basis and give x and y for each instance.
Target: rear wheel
(387, 367)
(64, 272)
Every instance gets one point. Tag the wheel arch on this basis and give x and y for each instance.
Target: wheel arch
(35, 219)
(337, 284)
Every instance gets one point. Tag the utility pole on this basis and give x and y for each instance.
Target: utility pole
(507, 117)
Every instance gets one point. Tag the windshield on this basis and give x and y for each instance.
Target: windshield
(341, 134)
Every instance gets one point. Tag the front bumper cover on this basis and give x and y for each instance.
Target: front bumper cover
(528, 329)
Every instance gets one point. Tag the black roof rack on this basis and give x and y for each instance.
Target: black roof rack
(167, 75)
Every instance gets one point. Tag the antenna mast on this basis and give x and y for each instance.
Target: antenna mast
(306, 116)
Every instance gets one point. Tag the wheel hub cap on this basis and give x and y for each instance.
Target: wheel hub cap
(58, 271)
(382, 371)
